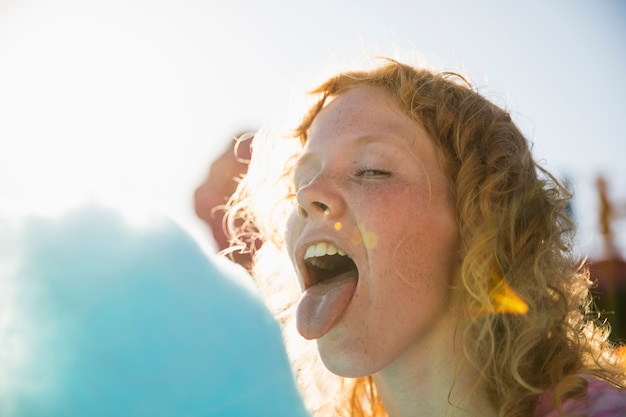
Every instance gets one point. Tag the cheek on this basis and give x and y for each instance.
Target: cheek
(424, 244)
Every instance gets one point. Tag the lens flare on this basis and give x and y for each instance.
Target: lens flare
(503, 299)
(362, 236)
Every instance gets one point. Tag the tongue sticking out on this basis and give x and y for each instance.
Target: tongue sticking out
(323, 304)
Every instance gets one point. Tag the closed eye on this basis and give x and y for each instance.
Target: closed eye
(372, 173)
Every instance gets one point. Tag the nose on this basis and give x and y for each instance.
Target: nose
(319, 198)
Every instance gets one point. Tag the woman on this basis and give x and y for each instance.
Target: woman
(432, 254)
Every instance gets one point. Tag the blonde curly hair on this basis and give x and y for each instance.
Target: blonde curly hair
(517, 239)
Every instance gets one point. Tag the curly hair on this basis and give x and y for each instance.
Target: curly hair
(517, 240)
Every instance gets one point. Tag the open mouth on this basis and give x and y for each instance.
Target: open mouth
(330, 281)
(325, 261)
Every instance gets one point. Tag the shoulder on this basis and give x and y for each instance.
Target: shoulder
(603, 399)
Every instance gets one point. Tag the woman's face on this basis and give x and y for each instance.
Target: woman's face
(373, 238)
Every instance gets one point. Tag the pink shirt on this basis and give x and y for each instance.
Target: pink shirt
(602, 400)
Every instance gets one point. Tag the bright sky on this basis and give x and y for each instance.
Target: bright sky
(128, 100)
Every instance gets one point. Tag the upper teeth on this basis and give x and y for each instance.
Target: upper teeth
(321, 249)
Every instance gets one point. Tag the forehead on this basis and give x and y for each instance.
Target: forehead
(369, 113)
(353, 107)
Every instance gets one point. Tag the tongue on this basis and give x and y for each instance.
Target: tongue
(321, 305)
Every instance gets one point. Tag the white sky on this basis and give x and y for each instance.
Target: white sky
(129, 100)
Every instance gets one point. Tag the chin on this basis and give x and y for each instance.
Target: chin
(347, 363)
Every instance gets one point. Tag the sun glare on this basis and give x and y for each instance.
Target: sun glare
(92, 104)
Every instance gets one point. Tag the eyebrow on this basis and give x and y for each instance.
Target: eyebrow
(360, 140)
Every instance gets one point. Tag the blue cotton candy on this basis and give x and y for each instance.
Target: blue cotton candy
(103, 319)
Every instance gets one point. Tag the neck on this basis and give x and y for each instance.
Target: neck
(433, 379)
